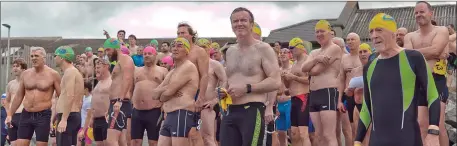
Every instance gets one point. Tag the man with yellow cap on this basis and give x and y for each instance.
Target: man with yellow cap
(350, 67)
(216, 76)
(252, 71)
(36, 87)
(101, 53)
(69, 102)
(200, 58)
(120, 105)
(298, 85)
(177, 93)
(432, 42)
(323, 65)
(391, 85)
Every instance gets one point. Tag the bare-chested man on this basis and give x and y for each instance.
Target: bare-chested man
(350, 67)
(19, 66)
(323, 66)
(216, 78)
(284, 103)
(431, 41)
(69, 102)
(200, 58)
(298, 84)
(120, 109)
(100, 101)
(177, 93)
(401, 32)
(147, 113)
(36, 87)
(89, 65)
(252, 71)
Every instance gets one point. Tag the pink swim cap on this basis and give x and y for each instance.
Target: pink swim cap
(211, 52)
(150, 49)
(168, 60)
(125, 50)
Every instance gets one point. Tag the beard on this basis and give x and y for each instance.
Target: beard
(113, 57)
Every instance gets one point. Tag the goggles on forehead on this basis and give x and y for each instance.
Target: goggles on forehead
(293, 47)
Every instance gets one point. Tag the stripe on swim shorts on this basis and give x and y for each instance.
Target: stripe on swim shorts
(185, 124)
(177, 128)
(256, 134)
(328, 92)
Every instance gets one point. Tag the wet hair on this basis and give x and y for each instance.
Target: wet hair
(132, 36)
(434, 22)
(190, 30)
(121, 31)
(20, 62)
(168, 44)
(428, 4)
(88, 86)
(239, 9)
(334, 33)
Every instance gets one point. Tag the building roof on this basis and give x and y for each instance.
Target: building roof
(304, 30)
(50, 44)
(404, 16)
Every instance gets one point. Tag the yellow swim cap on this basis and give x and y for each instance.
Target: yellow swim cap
(184, 42)
(296, 43)
(365, 46)
(203, 43)
(256, 29)
(101, 49)
(324, 25)
(382, 20)
(215, 45)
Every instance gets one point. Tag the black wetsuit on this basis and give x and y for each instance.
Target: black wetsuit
(390, 99)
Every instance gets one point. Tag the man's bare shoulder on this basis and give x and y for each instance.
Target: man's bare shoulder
(313, 52)
(199, 50)
(189, 67)
(162, 69)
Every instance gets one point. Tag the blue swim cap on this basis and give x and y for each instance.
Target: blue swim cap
(3, 95)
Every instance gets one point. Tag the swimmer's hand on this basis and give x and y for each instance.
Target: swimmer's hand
(322, 59)
(221, 94)
(431, 140)
(117, 106)
(288, 76)
(269, 114)
(62, 127)
(81, 135)
(237, 91)
(349, 91)
(210, 104)
(105, 32)
(8, 121)
(341, 107)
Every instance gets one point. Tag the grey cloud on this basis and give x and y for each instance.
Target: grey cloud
(59, 18)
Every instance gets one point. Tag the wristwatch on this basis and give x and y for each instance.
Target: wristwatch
(433, 131)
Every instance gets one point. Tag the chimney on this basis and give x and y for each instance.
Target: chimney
(349, 9)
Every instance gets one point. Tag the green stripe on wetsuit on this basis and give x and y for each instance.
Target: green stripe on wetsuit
(257, 128)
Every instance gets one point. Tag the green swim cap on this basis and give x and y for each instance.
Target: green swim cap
(112, 43)
(66, 53)
(155, 42)
(88, 49)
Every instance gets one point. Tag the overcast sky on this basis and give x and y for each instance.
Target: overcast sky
(158, 19)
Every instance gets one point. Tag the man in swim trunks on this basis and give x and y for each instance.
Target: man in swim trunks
(120, 109)
(69, 102)
(19, 66)
(200, 58)
(298, 84)
(100, 101)
(349, 64)
(390, 99)
(284, 103)
(216, 78)
(252, 71)
(431, 41)
(36, 87)
(147, 113)
(401, 32)
(177, 93)
(323, 66)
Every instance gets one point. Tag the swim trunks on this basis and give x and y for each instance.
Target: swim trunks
(323, 99)
(70, 136)
(243, 125)
(37, 122)
(310, 126)
(120, 122)
(12, 132)
(178, 123)
(283, 123)
(197, 115)
(149, 120)
(299, 113)
(100, 129)
(441, 86)
(390, 103)
(350, 105)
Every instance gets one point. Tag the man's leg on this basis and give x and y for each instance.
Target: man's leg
(129, 131)
(444, 139)
(338, 128)
(328, 119)
(153, 126)
(42, 127)
(347, 131)
(207, 126)
(194, 135)
(165, 141)
(137, 127)
(317, 128)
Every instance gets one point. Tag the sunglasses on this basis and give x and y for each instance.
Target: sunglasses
(293, 47)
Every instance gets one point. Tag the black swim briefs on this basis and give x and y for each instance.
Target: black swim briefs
(149, 120)
(178, 123)
(70, 136)
(100, 129)
(38, 122)
(323, 99)
(120, 121)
